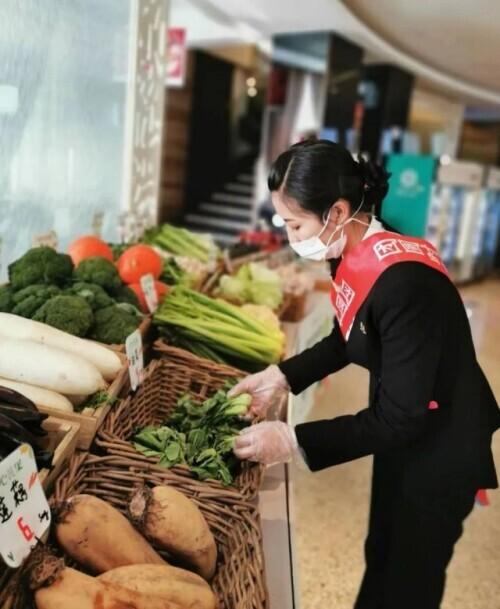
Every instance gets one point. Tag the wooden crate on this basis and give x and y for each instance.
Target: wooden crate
(63, 440)
(90, 419)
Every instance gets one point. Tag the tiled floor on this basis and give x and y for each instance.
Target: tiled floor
(331, 507)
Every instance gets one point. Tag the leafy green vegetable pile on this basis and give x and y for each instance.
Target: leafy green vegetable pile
(253, 283)
(200, 436)
(87, 301)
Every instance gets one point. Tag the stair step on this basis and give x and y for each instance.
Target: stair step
(225, 197)
(226, 210)
(202, 220)
(242, 188)
(245, 177)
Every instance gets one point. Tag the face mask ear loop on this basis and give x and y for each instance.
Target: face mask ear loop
(325, 223)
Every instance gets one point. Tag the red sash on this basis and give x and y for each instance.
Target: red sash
(363, 265)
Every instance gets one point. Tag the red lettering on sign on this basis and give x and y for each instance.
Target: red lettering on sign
(25, 529)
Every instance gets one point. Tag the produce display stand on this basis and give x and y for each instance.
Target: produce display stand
(165, 381)
(89, 420)
(239, 581)
(63, 440)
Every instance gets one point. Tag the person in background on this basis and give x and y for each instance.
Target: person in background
(431, 412)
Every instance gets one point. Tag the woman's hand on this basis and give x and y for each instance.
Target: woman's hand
(269, 442)
(264, 387)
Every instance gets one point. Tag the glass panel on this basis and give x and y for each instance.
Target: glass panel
(63, 81)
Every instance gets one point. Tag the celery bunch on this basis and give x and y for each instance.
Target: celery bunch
(223, 327)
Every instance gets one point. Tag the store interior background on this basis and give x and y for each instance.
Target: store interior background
(94, 139)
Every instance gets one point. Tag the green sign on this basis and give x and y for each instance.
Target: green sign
(406, 206)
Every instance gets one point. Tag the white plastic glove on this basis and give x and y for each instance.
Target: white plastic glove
(269, 442)
(264, 387)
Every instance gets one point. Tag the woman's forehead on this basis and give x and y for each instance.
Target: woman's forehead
(287, 207)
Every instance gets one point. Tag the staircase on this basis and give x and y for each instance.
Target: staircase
(227, 212)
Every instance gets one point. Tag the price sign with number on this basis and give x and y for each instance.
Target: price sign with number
(133, 349)
(149, 290)
(47, 239)
(24, 511)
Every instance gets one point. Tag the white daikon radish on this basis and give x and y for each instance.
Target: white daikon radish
(43, 398)
(106, 361)
(36, 364)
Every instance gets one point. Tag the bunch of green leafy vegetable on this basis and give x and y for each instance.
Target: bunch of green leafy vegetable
(199, 436)
(253, 283)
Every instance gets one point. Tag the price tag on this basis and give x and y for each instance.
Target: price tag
(46, 239)
(24, 511)
(97, 222)
(133, 349)
(149, 291)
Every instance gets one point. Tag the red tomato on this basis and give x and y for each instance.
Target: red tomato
(137, 261)
(88, 246)
(162, 290)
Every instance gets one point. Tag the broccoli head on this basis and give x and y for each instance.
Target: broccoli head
(113, 324)
(40, 265)
(92, 293)
(126, 295)
(28, 300)
(98, 270)
(6, 299)
(71, 314)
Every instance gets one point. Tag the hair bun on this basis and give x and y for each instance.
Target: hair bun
(374, 176)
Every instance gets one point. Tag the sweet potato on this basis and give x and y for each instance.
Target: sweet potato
(172, 584)
(174, 523)
(99, 537)
(59, 587)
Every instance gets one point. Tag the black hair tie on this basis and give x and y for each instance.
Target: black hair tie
(374, 176)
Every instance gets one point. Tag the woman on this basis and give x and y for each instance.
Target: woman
(431, 411)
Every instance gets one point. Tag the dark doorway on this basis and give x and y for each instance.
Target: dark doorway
(209, 147)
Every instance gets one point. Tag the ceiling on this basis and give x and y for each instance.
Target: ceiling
(458, 37)
(452, 46)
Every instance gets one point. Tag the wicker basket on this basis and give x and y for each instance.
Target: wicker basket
(165, 381)
(239, 582)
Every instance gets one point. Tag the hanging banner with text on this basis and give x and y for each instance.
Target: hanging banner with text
(176, 57)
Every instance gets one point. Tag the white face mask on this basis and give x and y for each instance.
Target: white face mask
(314, 249)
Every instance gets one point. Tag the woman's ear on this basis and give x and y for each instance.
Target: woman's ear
(341, 211)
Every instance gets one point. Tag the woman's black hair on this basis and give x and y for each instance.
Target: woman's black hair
(318, 172)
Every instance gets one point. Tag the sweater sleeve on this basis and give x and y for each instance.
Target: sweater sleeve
(317, 362)
(409, 320)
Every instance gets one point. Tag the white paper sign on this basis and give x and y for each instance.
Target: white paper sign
(133, 349)
(46, 239)
(24, 511)
(149, 291)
